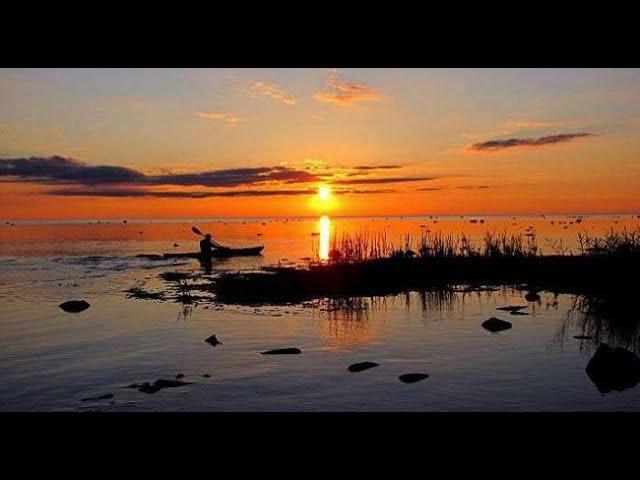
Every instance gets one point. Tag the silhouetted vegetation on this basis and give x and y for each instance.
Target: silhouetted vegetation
(363, 264)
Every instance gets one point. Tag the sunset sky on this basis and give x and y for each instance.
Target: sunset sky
(135, 143)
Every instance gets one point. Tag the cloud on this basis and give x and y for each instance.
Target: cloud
(235, 177)
(494, 145)
(58, 169)
(140, 193)
(340, 92)
(161, 194)
(376, 167)
(473, 187)
(271, 90)
(222, 117)
(114, 181)
(513, 125)
(368, 181)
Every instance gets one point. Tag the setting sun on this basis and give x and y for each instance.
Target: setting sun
(324, 192)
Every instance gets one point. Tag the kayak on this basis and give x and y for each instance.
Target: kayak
(224, 252)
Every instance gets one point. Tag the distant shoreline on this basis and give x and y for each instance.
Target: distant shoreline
(112, 220)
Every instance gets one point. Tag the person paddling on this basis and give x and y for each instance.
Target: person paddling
(207, 244)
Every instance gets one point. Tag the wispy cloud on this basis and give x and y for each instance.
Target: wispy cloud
(273, 91)
(343, 93)
(495, 145)
(376, 167)
(370, 181)
(524, 124)
(473, 187)
(140, 193)
(222, 117)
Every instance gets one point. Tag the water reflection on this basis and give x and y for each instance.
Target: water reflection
(324, 225)
(610, 319)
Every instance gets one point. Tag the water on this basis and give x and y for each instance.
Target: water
(51, 359)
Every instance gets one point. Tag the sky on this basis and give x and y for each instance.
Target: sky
(165, 143)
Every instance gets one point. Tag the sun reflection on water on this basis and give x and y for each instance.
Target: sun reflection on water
(325, 233)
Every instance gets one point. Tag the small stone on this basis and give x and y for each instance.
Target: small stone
(413, 377)
(106, 396)
(283, 351)
(496, 325)
(213, 341)
(512, 308)
(160, 384)
(532, 297)
(206, 375)
(359, 367)
(74, 306)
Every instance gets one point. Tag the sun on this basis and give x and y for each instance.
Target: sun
(324, 192)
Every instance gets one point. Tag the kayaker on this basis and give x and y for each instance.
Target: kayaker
(207, 244)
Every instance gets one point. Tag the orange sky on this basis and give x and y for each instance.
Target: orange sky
(206, 143)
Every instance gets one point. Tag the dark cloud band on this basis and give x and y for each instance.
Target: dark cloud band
(66, 170)
(493, 145)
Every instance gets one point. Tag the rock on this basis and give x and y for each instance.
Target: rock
(532, 297)
(359, 367)
(180, 375)
(213, 341)
(160, 384)
(74, 306)
(496, 325)
(106, 396)
(206, 375)
(283, 351)
(413, 377)
(583, 337)
(512, 308)
(613, 369)
(517, 312)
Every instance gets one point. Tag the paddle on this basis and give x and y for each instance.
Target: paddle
(198, 232)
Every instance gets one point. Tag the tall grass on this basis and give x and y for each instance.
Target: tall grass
(622, 243)
(363, 246)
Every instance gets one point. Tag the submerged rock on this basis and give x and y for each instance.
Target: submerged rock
(413, 377)
(283, 351)
(106, 396)
(496, 325)
(74, 306)
(213, 341)
(613, 369)
(512, 308)
(532, 297)
(158, 385)
(359, 367)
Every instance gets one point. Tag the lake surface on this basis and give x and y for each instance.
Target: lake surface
(51, 359)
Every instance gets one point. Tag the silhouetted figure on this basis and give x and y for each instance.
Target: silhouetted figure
(207, 244)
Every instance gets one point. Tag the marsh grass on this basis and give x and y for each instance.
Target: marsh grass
(613, 243)
(363, 246)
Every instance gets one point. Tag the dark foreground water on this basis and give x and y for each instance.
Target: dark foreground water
(51, 359)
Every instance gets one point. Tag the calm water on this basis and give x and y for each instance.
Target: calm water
(51, 359)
